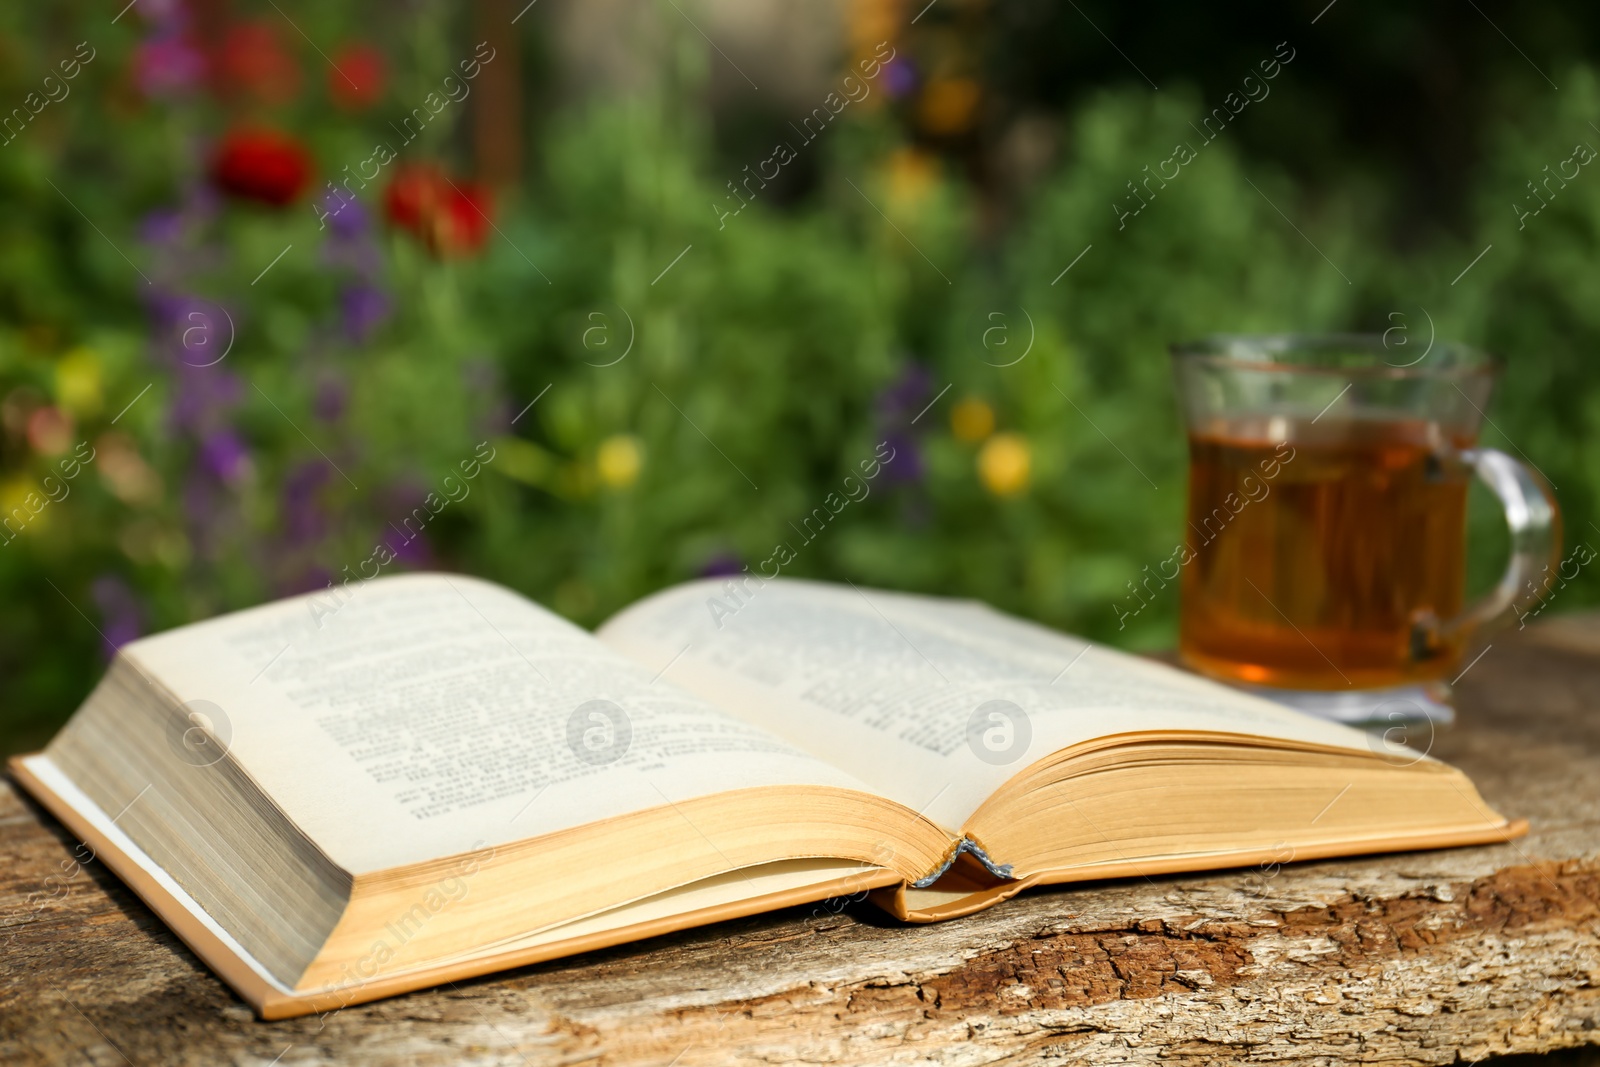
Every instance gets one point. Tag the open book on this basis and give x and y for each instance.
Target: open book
(352, 794)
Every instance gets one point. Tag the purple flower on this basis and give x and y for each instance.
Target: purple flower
(414, 551)
(364, 309)
(347, 216)
(903, 398)
(899, 78)
(224, 455)
(167, 310)
(900, 404)
(330, 400)
(163, 226)
(350, 243)
(120, 614)
(197, 333)
(304, 518)
(167, 13)
(176, 234)
(167, 66)
(205, 396)
(721, 565)
(907, 465)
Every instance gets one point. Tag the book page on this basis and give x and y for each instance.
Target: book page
(421, 716)
(934, 703)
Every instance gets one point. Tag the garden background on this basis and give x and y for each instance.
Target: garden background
(241, 346)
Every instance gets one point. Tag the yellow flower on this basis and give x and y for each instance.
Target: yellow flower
(972, 420)
(619, 460)
(78, 382)
(911, 175)
(871, 22)
(949, 106)
(1003, 464)
(22, 509)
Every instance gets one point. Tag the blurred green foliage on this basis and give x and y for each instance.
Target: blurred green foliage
(762, 365)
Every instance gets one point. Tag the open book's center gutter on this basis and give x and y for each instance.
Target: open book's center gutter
(973, 849)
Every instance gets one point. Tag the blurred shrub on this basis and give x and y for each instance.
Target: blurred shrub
(611, 387)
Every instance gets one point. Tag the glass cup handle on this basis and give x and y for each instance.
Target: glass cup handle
(1534, 521)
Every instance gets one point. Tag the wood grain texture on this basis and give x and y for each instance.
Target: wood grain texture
(1423, 958)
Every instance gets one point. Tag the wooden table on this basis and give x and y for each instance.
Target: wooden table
(1414, 958)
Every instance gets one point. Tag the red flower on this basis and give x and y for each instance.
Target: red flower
(260, 164)
(252, 61)
(450, 217)
(356, 79)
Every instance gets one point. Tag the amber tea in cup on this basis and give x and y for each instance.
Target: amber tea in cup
(1327, 517)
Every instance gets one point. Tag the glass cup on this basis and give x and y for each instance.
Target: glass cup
(1324, 562)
